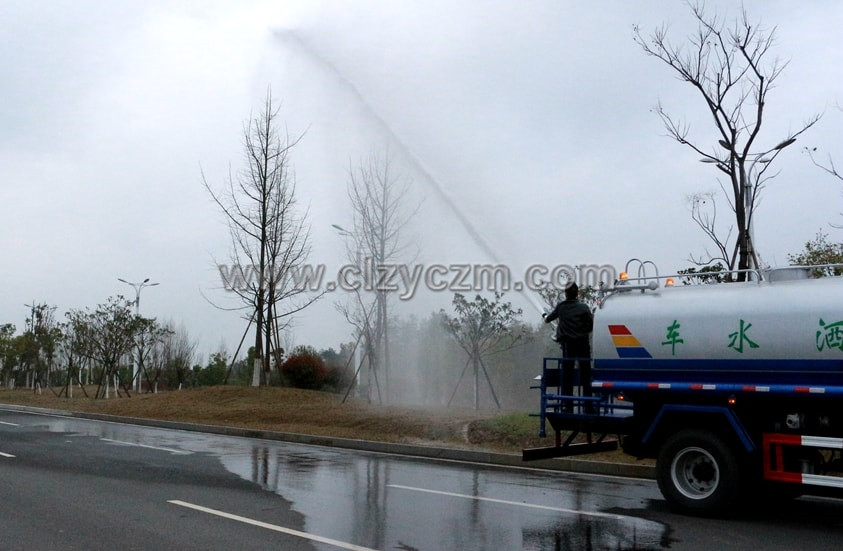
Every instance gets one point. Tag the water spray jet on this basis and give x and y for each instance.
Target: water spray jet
(291, 38)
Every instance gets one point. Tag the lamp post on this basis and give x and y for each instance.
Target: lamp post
(137, 287)
(749, 199)
(751, 188)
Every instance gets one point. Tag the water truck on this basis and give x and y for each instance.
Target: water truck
(735, 389)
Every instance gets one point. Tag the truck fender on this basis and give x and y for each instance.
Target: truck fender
(721, 411)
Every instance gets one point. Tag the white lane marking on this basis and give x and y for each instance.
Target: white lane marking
(276, 528)
(171, 450)
(518, 503)
(10, 424)
(6, 454)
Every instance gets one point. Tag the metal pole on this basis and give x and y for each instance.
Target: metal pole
(137, 287)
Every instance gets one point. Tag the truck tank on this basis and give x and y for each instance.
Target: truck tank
(754, 333)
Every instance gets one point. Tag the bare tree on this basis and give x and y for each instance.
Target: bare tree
(152, 346)
(729, 69)
(481, 328)
(154, 363)
(828, 165)
(177, 351)
(378, 196)
(361, 314)
(268, 234)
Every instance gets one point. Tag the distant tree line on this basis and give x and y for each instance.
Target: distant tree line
(98, 350)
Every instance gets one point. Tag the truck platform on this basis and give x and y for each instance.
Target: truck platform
(593, 424)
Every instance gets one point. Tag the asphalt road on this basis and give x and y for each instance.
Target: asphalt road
(80, 484)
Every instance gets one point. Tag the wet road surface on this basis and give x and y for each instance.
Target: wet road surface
(78, 484)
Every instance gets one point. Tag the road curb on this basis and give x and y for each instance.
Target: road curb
(427, 452)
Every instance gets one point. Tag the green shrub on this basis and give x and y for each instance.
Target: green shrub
(212, 374)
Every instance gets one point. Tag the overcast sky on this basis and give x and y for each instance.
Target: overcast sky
(532, 118)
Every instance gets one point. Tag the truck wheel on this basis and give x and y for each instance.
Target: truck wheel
(698, 473)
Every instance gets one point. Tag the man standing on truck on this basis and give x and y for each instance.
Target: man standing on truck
(573, 333)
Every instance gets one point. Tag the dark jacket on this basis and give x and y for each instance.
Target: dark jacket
(575, 320)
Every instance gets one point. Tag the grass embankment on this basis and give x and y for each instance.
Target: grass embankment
(309, 412)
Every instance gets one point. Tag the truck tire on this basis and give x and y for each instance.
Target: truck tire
(698, 473)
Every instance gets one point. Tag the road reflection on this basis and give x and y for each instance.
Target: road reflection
(589, 533)
(385, 502)
(392, 502)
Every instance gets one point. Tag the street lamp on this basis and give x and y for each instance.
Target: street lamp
(345, 233)
(749, 193)
(137, 287)
(342, 230)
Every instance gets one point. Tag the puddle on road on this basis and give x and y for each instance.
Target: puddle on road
(599, 534)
